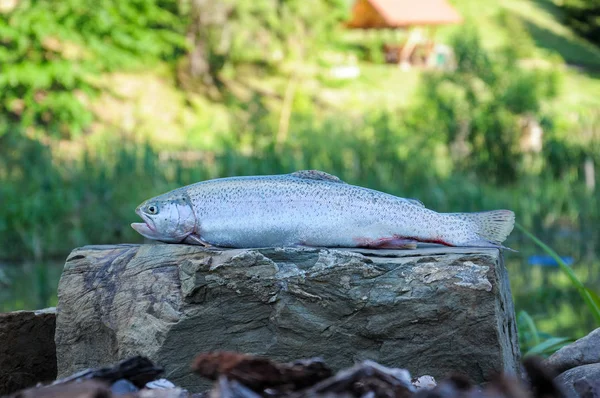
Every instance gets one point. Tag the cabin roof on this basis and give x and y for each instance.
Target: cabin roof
(402, 13)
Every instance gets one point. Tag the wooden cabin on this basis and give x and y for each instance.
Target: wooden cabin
(410, 15)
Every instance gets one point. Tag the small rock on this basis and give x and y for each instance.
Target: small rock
(587, 388)
(162, 393)
(584, 351)
(123, 386)
(582, 376)
(160, 384)
(424, 382)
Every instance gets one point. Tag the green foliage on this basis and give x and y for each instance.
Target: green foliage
(533, 342)
(264, 32)
(522, 44)
(53, 51)
(584, 17)
(291, 27)
(368, 45)
(471, 57)
(29, 286)
(589, 297)
(478, 108)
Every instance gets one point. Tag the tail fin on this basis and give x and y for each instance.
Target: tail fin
(493, 227)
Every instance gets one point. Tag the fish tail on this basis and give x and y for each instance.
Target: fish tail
(491, 227)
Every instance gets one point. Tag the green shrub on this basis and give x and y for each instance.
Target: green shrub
(477, 109)
(53, 52)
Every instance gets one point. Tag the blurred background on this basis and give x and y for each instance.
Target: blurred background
(467, 105)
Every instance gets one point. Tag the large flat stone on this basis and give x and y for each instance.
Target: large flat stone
(27, 351)
(433, 311)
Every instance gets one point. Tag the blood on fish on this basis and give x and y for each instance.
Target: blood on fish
(385, 243)
(396, 242)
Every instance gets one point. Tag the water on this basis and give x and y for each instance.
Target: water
(541, 290)
(29, 286)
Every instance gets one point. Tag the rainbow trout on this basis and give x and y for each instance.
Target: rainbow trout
(310, 208)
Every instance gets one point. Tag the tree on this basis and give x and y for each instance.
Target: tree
(263, 32)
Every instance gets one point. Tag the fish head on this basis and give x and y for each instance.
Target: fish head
(167, 218)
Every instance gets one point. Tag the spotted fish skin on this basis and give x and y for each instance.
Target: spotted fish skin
(312, 208)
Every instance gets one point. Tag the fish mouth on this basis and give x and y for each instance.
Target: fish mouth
(146, 228)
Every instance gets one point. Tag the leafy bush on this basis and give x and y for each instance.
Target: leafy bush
(477, 108)
(533, 342)
(53, 51)
(225, 34)
(522, 44)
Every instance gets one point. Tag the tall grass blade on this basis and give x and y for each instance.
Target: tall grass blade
(548, 346)
(590, 298)
(526, 319)
(594, 296)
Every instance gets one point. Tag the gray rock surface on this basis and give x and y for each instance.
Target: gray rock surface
(433, 311)
(580, 381)
(584, 351)
(27, 351)
(587, 388)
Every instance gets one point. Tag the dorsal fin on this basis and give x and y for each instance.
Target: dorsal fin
(316, 175)
(415, 202)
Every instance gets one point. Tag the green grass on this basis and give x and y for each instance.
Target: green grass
(579, 90)
(379, 86)
(541, 18)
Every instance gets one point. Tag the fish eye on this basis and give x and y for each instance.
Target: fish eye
(152, 209)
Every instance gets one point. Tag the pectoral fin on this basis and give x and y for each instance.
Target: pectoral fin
(193, 239)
